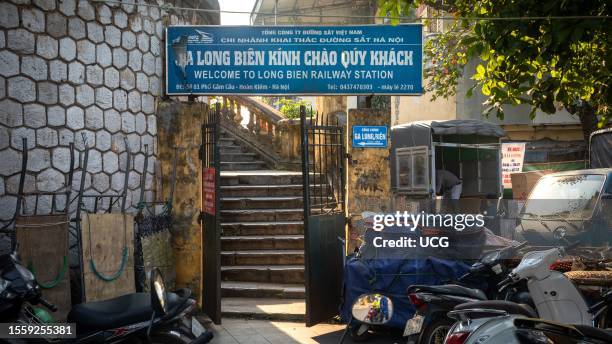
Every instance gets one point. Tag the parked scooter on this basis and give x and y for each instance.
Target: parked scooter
(430, 323)
(155, 317)
(481, 326)
(554, 295)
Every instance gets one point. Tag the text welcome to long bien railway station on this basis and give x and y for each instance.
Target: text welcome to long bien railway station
(295, 60)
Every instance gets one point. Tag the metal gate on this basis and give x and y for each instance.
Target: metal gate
(323, 170)
(210, 216)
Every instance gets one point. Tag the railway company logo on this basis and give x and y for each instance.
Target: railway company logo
(200, 38)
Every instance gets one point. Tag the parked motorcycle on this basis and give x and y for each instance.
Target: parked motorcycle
(155, 317)
(554, 295)
(480, 326)
(430, 323)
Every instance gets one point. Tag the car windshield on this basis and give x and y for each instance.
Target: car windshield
(567, 197)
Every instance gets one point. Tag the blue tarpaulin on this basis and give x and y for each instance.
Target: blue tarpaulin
(391, 277)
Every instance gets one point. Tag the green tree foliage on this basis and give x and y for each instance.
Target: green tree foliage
(291, 107)
(546, 62)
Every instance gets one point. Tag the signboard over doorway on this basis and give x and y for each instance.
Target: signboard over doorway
(302, 60)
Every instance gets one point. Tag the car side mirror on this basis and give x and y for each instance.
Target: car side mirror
(158, 292)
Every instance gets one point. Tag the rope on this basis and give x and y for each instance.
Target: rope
(58, 278)
(124, 256)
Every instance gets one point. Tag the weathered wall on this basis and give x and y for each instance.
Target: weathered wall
(70, 67)
(179, 132)
(368, 180)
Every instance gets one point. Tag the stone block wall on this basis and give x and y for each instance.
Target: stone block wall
(69, 69)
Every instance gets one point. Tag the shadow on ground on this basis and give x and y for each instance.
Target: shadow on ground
(238, 331)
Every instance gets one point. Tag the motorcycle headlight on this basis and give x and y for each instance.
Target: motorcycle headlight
(27, 275)
(490, 257)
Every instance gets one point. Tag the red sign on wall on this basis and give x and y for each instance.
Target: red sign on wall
(208, 182)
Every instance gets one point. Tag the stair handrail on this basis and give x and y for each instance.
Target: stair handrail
(250, 140)
(267, 130)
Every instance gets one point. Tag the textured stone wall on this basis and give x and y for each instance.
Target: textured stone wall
(70, 68)
(368, 176)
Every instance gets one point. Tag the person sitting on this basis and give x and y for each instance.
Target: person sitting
(448, 185)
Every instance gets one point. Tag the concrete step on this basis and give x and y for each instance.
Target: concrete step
(275, 202)
(262, 242)
(261, 177)
(238, 157)
(263, 273)
(261, 190)
(258, 215)
(262, 228)
(266, 190)
(242, 165)
(230, 149)
(264, 309)
(262, 257)
(226, 141)
(262, 290)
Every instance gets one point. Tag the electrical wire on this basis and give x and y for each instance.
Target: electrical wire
(169, 8)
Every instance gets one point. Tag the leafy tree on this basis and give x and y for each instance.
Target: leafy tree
(552, 60)
(291, 107)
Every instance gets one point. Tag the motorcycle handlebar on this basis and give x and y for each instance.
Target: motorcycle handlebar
(521, 245)
(49, 305)
(503, 284)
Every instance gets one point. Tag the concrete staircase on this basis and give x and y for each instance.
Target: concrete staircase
(262, 242)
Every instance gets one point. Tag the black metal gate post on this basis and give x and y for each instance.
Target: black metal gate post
(323, 155)
(210, 215)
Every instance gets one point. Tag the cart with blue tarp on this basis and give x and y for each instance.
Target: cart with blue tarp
(391, 277)
(389, 272)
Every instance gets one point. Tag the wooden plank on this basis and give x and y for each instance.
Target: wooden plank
(107, 242)
(43, 242)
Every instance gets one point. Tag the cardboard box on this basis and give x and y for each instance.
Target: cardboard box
(523, 182)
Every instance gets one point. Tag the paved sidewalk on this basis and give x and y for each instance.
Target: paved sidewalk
(238, 331)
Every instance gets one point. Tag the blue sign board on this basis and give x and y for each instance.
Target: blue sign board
(369, 136)
(301, 60)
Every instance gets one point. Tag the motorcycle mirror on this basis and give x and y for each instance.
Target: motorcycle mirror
(158, 292)
(373, 309)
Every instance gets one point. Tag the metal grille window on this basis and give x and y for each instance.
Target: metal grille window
(412, 169)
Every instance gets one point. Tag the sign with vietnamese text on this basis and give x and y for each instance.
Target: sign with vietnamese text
(513, 155)
(209, 197)
(370, 136)
(267, 60)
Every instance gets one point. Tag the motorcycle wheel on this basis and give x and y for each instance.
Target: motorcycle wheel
(359, 332)
(436, 331)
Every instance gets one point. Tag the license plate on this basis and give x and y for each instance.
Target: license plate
(196, 328)
(413, 325)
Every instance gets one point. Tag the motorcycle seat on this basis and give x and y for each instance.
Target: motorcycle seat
(450, 289)
(594, 332)
(507, 306)
(120, 311)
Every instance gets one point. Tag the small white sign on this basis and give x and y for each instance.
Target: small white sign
(513, 155)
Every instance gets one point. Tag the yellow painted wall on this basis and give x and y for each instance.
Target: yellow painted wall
(179, 126)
